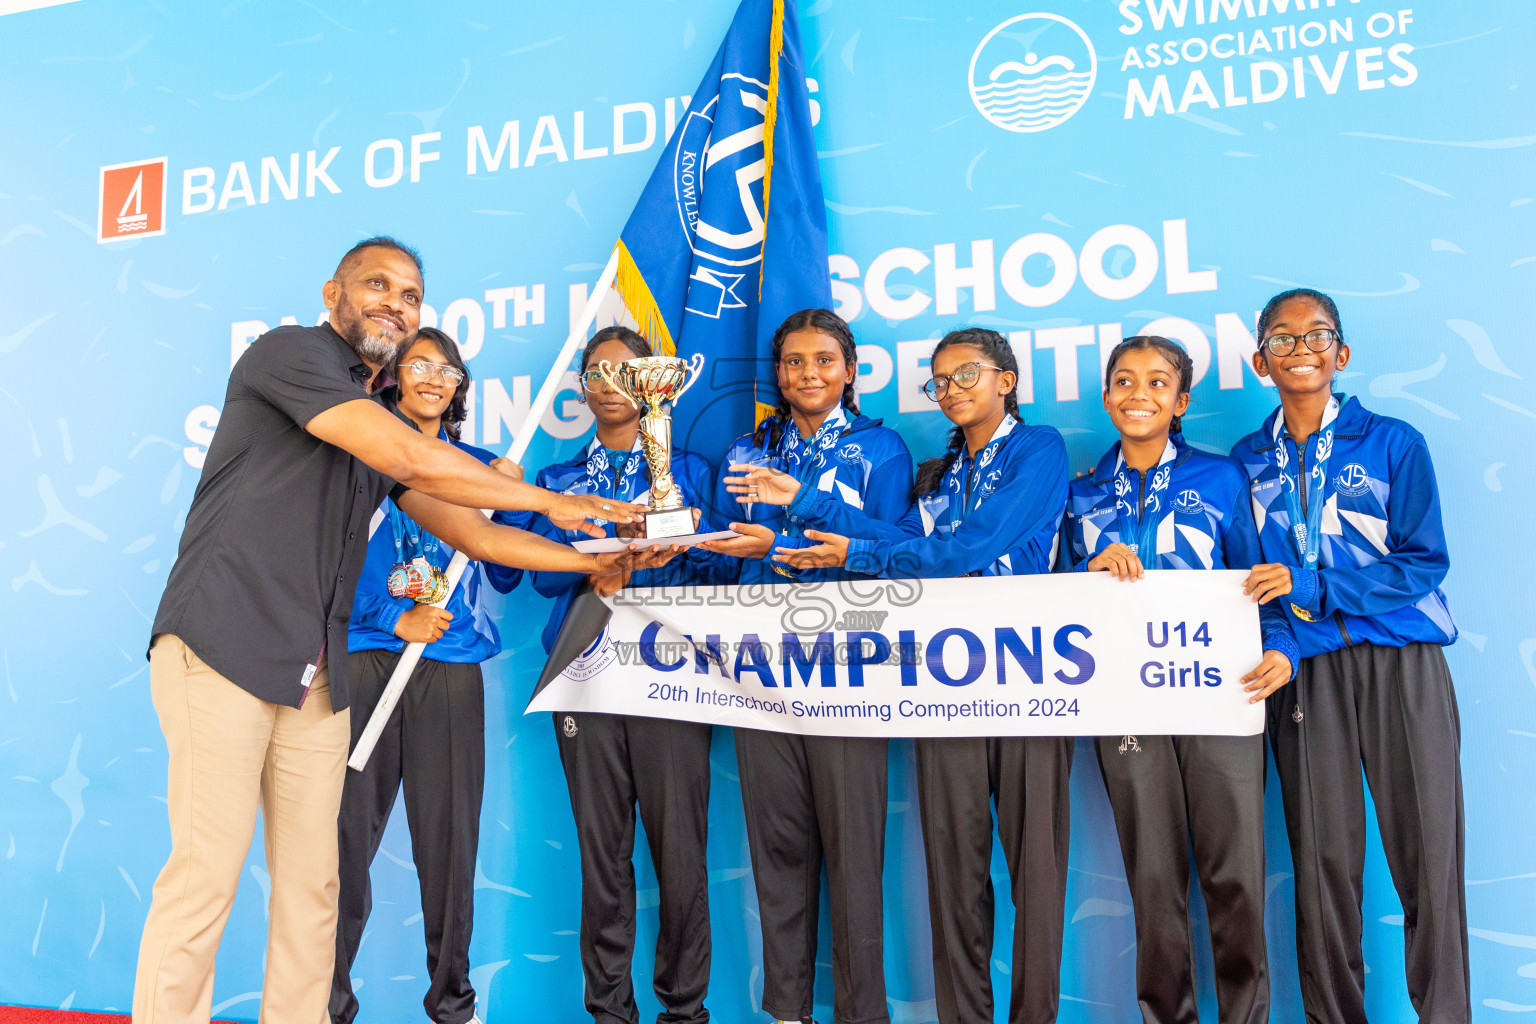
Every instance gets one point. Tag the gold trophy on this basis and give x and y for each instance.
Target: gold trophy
(657, 381)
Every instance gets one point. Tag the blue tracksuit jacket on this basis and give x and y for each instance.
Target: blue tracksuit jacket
(471, 637)
(1206, 524)
(1014, 488)
(869, 469)
(1383, 553)
(591, 473)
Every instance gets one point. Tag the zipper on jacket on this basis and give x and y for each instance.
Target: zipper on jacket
(1338, 618)
(1301, 475)
(1141, 495)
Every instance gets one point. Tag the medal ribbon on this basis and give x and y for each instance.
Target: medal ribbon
(954, 480)
(1306, 532)
(804, 459)
(600, 473)
(1139, 531)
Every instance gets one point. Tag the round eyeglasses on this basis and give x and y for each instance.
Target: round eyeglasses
(426, 372)
(593, 381)
(1316, 341)
(965, 377)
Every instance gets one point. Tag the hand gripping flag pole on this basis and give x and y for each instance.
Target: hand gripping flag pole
(520, 441)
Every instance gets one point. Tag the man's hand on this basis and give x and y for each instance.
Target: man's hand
(1273, 672)
(830, 553)
(571, 512)
(1118, 560)
(423, 624)
(760, 483)
(507, 467)
(1267, 582)
(755, 541)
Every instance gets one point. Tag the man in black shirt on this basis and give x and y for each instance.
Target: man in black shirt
(252, 705)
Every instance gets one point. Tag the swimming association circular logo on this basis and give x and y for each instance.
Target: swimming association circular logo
(1032, 72)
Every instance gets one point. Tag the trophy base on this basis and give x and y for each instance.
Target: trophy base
(677, 522)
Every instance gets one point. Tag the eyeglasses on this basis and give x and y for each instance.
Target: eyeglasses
(965, 376)
(593, 381)
(1317, 341)
(426, 372)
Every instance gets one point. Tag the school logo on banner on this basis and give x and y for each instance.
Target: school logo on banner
(598, 656)
(131, 201)
(1032, 72)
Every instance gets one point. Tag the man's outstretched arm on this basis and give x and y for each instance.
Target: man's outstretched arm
(367, 431)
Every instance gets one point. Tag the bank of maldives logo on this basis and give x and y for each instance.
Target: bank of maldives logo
(1032, 72)
(131, 201)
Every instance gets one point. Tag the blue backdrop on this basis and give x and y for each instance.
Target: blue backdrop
(1198, 156)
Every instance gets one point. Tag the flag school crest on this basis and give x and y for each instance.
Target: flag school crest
(731, 165)
(1032, 72)
(729, 236)
(1189, 501)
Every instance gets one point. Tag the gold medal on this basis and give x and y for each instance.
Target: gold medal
(1302, 613)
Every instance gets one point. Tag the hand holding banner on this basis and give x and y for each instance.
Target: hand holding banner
(1074, 654)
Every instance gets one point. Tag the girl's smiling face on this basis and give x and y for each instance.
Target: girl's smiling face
(813, 372)
(1144, 395)
(1302, 371)
(984, 399)
(424, 401)
(610, 408)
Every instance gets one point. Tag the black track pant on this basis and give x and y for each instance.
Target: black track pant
(613, 763)
(1392, 710)
(1168, 793)
(435, 745)
(806, 797)
(959, 780)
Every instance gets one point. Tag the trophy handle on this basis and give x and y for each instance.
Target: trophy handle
(695, 367)
(610, 378)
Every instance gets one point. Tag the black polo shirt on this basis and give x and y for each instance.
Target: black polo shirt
(278, 528)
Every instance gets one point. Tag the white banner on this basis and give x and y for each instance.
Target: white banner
(1072, 654)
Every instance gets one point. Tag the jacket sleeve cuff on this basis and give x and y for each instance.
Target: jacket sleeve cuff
(862, 558)
(804, 505)
(1280, 642)
(1305, 588)
(389, 615)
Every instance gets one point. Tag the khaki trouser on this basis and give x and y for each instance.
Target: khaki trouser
(231, 753)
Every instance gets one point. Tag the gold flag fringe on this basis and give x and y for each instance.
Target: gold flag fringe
(631, 286)
(770, 120)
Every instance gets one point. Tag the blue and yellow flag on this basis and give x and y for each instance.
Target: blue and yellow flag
(730, 235)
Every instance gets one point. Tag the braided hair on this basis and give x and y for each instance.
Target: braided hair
(1272, 310)
(1169, 350)
(998, 352)
(458, 405)
(833, 326)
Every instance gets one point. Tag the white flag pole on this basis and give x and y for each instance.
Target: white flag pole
(520, 441)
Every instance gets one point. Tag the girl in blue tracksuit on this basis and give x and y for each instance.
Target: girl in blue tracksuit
(1349, 520)
(1153, 502)
(812, 797)
(991, 506)
(615, 762)
(434, 743)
